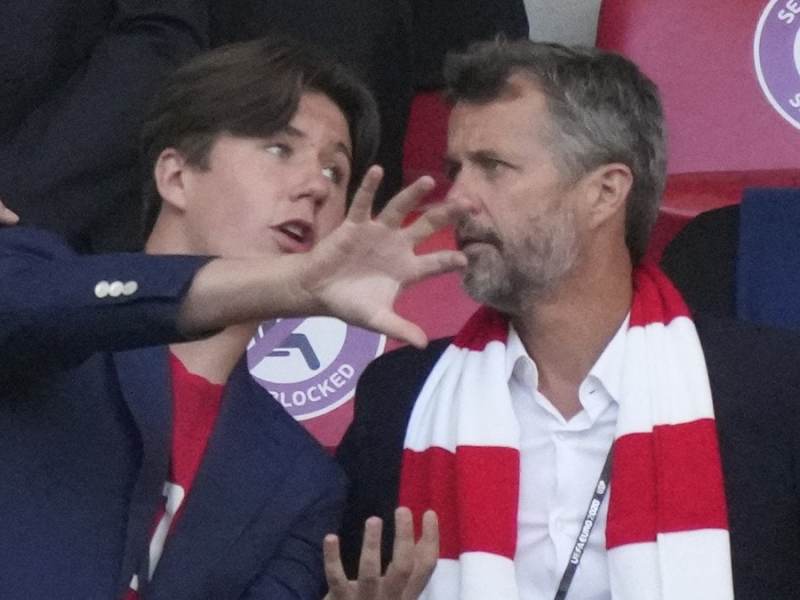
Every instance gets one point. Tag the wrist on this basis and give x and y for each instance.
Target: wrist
(292, 275)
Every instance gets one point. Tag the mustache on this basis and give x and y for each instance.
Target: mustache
(469, 231)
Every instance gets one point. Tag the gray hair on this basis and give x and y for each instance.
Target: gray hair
(604, 110)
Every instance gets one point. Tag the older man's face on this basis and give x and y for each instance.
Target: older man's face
(522, 237)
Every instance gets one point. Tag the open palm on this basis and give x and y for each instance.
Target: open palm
(358, 270)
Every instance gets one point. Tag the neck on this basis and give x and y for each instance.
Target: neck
(167, 237)
(215, 357)
(566, 332)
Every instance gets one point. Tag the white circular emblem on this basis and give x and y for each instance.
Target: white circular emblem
(776, 50)
(311, 366)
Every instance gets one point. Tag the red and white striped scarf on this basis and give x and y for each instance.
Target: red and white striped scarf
(667, 529)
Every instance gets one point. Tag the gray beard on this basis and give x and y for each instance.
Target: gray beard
(510, 278)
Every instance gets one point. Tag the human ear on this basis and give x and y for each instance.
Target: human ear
(608, 186)
(169, 173)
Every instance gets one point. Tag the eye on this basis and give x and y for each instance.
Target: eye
(278, 149)
(491, 166)
(451, 169)
(334, 173)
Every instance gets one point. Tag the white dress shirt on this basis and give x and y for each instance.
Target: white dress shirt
(560, 462)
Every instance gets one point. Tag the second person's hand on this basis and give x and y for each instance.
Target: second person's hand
(406, 576)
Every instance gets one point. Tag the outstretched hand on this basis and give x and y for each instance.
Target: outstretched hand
(7, 216)
(406, 576)
(357, 271)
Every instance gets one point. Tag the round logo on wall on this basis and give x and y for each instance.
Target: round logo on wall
(311, 366)
(777, 57)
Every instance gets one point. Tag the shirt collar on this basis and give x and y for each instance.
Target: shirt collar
(608, 367)
(516, 353)
(606, 371)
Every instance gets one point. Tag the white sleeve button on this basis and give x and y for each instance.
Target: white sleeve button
(101, 289)
(130, 288)
(115, 289)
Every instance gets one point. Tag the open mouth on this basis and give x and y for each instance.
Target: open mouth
(295, 236)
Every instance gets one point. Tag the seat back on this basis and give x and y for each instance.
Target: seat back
(426, 140)
(728, 76)
(742, 260)
(689, 194)
(768, 258)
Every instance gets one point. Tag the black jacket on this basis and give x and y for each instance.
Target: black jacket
(75, 81)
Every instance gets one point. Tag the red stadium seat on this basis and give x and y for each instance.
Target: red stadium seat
(701, 55)
(688, 194)
(730, 84)
(426, 140)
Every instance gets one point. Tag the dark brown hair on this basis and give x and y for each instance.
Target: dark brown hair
(250, 89)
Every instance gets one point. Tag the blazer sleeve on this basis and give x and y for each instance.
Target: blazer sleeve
(55, 309)
(76, 151)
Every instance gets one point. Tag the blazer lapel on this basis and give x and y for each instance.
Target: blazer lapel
(145, 383)
(238, 475)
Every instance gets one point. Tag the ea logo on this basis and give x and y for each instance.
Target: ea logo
(777, 57)
(311, 366)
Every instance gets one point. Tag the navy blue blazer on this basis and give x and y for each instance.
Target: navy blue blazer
(755, 383)
(85, 438)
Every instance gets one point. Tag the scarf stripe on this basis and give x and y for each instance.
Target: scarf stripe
(485, 497)
(667, 522)
(687, 496)
(485, 326)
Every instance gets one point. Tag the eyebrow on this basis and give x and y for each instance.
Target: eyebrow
(292, 131)
(479, 155)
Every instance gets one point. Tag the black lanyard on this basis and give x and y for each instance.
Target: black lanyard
(592, 512)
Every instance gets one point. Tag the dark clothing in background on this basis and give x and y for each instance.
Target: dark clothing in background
(743, 260)
(444, 25)
(75, 82)
(701, 261)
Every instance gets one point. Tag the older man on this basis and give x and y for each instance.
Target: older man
(507, 430)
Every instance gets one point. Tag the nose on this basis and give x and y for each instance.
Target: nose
(314, 186)
(463, 195)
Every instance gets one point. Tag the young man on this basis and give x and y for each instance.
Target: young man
(138, 458)
(506, 430)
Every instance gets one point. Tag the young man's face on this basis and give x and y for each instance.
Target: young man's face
(266, 196)
(523, 235)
